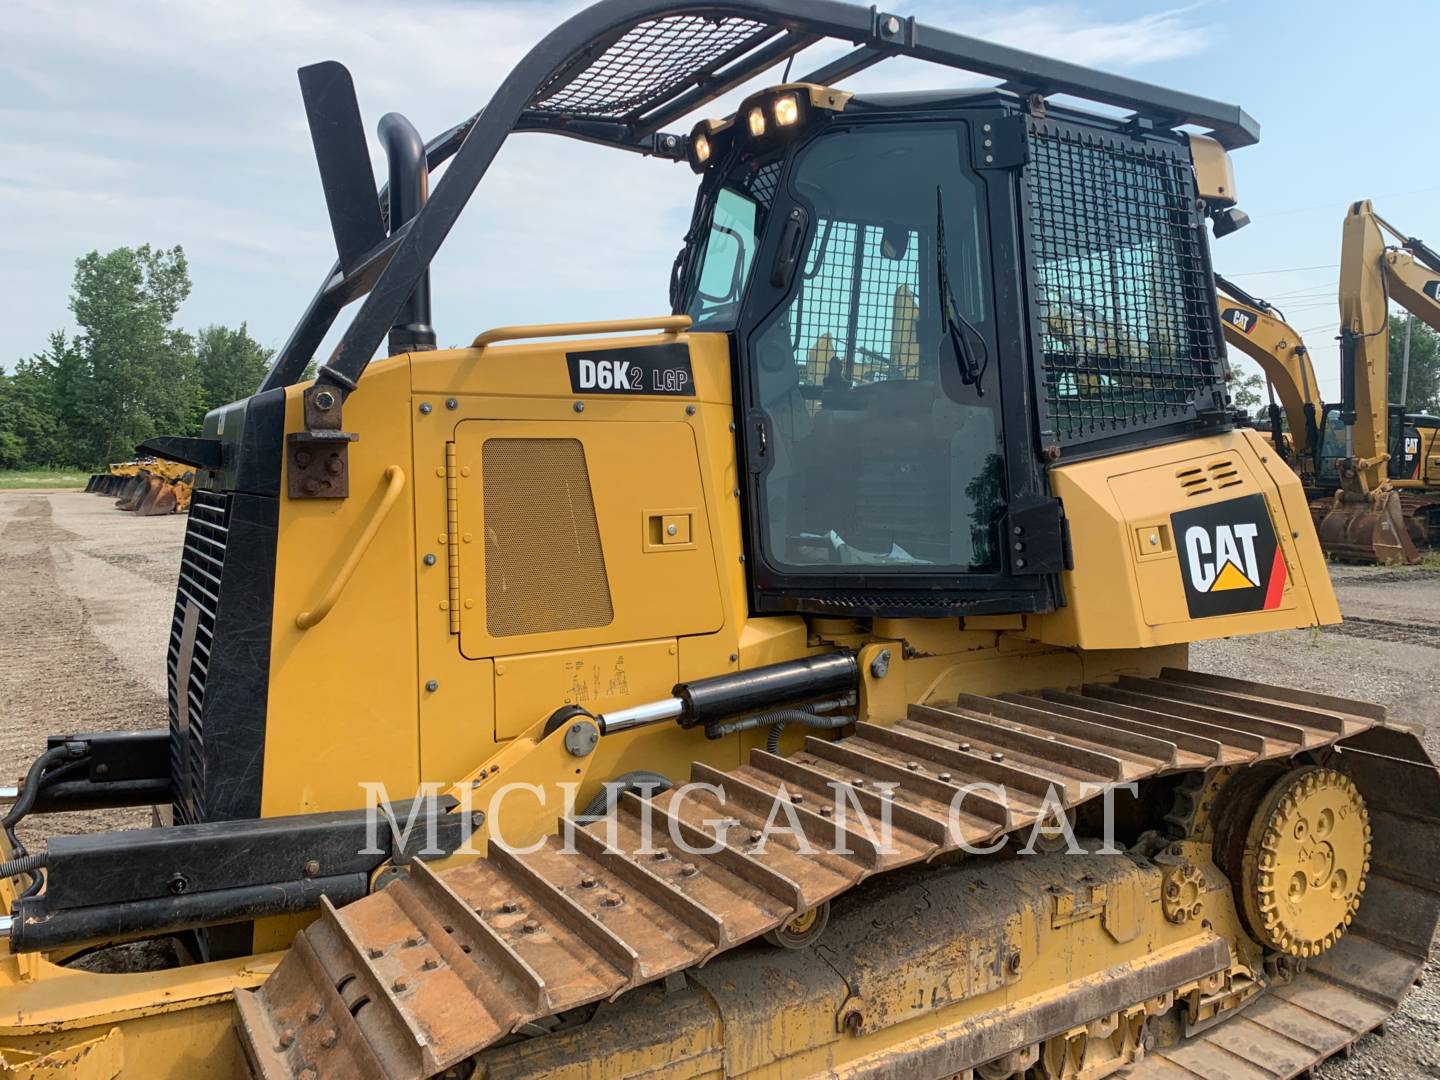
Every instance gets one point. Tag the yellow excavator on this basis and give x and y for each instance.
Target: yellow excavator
(793, 684)
(1384, 515)
(1387, 502)
(1259, 330)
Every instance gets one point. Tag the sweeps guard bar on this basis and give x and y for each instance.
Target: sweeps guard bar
(553, 89)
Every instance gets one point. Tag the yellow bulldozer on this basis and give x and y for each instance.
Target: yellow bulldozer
(793, 684)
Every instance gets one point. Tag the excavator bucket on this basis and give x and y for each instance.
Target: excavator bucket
(1369, 531)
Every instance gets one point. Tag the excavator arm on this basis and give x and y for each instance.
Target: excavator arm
(1368, 519)
(1260, 331)
(1371, 275)
(1413, 283)
(1364, 347)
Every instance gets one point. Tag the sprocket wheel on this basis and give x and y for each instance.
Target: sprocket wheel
(1306, 858)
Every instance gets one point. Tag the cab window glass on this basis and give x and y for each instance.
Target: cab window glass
(882, 453)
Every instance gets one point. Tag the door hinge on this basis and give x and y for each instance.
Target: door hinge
(1000, 142)
(452, 536)
(1037, 537)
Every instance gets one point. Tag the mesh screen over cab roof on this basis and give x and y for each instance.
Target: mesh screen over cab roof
(646, 65)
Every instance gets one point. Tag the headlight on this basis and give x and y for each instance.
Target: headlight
(756, 122)
(701, 146)
(787, 110)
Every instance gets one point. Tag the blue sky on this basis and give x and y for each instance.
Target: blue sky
(180, 122)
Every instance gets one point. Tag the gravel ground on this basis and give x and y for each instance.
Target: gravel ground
(86, 595)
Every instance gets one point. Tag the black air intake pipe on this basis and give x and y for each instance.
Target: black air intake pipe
(409, 187)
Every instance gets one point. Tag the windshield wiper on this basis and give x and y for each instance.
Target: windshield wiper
(972, 371)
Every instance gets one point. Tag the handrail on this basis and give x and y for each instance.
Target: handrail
(673, 324)
(395, 476)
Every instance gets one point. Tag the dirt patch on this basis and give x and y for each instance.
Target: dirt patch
(59, 671)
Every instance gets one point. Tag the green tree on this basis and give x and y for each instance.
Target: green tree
(229, 364)
(32, 427)
(1246, 389)
(1423, 391)
(138, 366)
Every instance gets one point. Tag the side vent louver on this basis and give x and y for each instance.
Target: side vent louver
(1195, 480)
(1224, 473)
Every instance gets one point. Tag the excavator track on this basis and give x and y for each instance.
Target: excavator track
(432, 969)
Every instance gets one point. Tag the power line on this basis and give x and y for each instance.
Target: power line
(1284, 270)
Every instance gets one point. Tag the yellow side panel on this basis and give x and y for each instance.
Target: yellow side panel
(530, 687)
(643, 478)
(342, 696)
(1194, 540)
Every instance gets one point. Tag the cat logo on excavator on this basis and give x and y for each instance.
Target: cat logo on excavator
(1232, 561)
(1239, 318)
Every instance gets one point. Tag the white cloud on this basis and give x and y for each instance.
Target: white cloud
(179, 121)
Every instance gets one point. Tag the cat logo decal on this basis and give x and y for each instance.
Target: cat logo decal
(1229, 558)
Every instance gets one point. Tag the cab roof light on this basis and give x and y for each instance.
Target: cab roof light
(786, 110)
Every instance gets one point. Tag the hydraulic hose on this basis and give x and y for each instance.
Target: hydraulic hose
(24, 802)
(23, 865)
(642, 780)
(777, 720)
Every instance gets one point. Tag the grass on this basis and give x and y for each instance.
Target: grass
(42, 478)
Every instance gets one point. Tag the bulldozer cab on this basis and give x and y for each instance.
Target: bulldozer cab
(926, 306)
(873, 451)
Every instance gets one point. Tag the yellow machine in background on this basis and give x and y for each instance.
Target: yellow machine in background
(1388, 500)
(1260, 331)
(149, 486)
(1381, 497)
(905, 515)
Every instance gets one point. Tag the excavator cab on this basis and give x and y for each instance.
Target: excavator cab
(1405, 448)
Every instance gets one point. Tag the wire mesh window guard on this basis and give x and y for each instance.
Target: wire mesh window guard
(1121, 283)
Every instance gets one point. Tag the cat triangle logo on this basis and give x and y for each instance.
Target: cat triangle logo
(1232, 578)
(1223, 557)
(1230, 560)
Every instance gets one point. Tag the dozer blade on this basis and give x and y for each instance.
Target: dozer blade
(436, 967)
(159, 499)
(1372, 531)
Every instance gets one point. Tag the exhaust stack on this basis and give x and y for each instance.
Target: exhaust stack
(408, 188)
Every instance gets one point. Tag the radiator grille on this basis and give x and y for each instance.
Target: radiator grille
(202, 563)
(1121, 281)
(544, 567)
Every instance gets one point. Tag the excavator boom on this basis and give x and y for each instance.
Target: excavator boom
(1260, 331)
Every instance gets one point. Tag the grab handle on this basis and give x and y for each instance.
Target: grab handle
(673, 324)
(395, 478)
